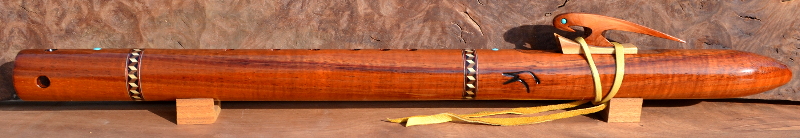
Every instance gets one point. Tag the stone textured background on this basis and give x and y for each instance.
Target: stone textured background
(767, 27)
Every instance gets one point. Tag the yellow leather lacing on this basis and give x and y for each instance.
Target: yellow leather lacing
(599, 102)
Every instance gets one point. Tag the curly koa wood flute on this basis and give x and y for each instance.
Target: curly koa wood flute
(375, 75)
(383, 74)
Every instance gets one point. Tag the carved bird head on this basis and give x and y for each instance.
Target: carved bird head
(599, 24)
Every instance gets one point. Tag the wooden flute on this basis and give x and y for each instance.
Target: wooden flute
(393, 74)
(382, 74)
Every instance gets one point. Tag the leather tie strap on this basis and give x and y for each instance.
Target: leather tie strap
(599, 102)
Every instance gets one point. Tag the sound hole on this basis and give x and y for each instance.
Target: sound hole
(43, 82)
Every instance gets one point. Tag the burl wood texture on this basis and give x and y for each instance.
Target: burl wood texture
(399, 74)
(765, 27)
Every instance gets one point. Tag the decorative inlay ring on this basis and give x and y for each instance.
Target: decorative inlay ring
(132, 63)
(470, 74)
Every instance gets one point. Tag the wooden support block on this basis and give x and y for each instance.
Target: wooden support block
(197, 111)
(571, 47)
(623, 110)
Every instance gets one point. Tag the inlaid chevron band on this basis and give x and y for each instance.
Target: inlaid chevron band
(133, 74)
(470, 74)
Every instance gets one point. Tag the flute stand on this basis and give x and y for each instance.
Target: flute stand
(619, 110)
(623, 110)
(197, 111)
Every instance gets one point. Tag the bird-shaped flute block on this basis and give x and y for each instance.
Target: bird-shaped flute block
(597, 25)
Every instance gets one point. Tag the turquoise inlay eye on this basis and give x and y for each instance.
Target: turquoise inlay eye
(563, 20)
(97, 48)
(495, 49)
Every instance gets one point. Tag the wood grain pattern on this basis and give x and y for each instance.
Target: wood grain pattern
(765, 27)
(247, 75)
(662, 74)
(196, 111)
(623, 110)
(78, 75)
(373, 75)
(302, 75)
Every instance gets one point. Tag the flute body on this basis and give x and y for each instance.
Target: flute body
(382, 74)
